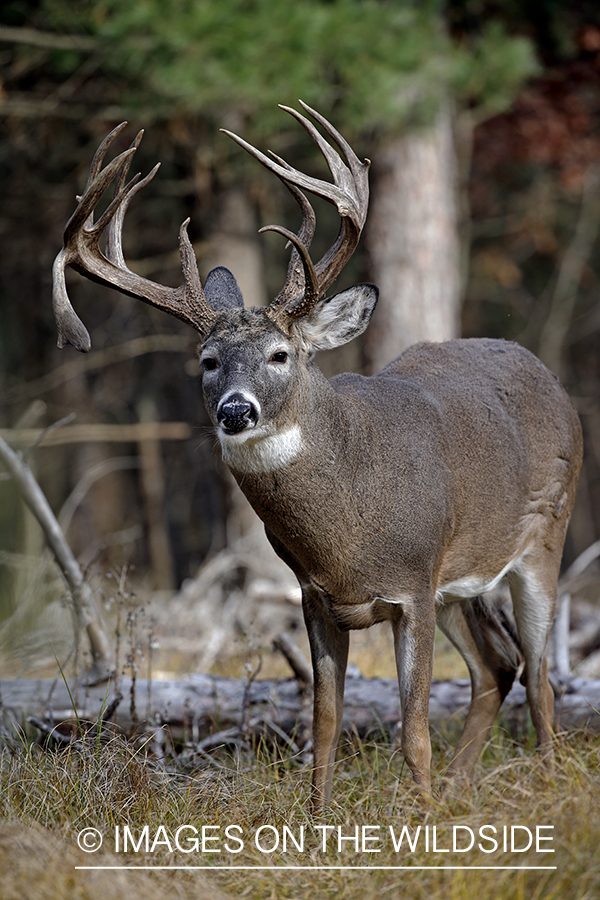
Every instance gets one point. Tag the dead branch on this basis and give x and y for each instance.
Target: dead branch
(558, 320)
(47, 39)
(100, 433)
(106, 467)
(99, 359)
(81, 593)
(295, 657)
(576, 568)
(209, 706)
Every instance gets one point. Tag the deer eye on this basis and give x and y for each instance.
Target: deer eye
(279, 357)
(209, 363)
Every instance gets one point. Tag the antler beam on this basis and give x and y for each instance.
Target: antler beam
(349, 193)
(81, 251)
(305, 282)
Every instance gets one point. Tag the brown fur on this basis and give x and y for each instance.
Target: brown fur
(456, 463)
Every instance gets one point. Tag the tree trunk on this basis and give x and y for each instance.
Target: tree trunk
(413, 242)
(235, 245)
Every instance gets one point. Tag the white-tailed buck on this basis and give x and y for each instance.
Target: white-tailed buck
(402, 497)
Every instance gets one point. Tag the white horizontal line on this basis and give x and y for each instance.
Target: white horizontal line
(327, 868)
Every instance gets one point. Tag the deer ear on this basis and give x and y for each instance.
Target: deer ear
(221, 290)
(336, 320)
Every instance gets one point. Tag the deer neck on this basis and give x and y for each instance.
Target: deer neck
(309, 431)
(306, 499)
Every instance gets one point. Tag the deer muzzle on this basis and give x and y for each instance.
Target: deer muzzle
(235, 413)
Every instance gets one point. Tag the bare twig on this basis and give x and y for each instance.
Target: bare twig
(273, 728)
(99, 433)
(51, 731)
(109, 711)
(152, 471)
(209, 759)
(552, 338)
(245, 710)
(45, 432)
(85, 483)
(300, 667)
(219, 739)
(99, 359)
(47, 39)
(82, 596)
(581, 563)
(560, 637)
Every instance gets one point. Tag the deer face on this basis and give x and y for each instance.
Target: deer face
(249, 371)
(254, 373)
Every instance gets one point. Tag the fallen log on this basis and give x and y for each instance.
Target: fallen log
(202, 705)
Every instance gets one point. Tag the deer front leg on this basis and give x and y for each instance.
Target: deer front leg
(414, 634)
(329, 652)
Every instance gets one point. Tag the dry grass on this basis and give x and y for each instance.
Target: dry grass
(47, 798)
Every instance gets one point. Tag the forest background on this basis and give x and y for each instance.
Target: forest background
(482, 121)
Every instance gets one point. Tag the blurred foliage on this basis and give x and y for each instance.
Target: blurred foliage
(382, 65)
(553, 26)
(534, 193)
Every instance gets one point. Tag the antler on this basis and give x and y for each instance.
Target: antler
(81, 250)
(305, 282)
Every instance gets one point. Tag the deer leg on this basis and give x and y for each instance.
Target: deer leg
(329, 652)
(414, 635)
(533, 590)
(492, 657)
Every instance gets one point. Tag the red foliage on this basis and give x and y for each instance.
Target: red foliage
(554, 122)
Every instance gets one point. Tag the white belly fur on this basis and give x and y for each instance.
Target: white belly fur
(472, 585)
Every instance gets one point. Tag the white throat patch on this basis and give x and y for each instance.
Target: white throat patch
(246, 453)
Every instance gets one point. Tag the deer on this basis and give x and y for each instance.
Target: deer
(402, 497)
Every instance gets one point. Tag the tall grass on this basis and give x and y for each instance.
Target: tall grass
(48, 797)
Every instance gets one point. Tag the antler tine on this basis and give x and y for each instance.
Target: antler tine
(301, 278)
(84, 211)
(114, 229)
(349, 193)
(359, 170)
(98, 158)
(286, 173)
(81, 251)
(71, 329)
(304, 280)
(353, 181)
(309, 220)
(346, 198)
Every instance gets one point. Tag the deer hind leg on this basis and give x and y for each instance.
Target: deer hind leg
(484, 640)
(329, 653)
(533, 587)
(414, 636)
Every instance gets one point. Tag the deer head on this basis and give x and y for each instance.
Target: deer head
(275, 342)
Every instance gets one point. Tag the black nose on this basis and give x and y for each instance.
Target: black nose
(236, 414)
